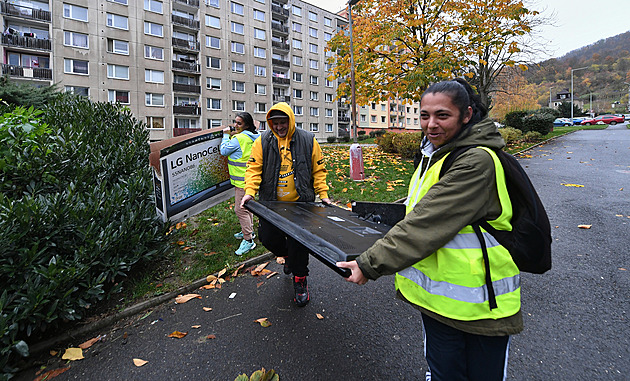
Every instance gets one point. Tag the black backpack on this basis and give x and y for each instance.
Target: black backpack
(529, 242)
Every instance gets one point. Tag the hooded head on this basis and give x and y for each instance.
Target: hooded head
(281, 120)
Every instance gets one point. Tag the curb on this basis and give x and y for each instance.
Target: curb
(38, 348)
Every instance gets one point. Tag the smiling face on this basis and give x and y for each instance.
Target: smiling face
(239, 124)
(280, 126)
(440, 119)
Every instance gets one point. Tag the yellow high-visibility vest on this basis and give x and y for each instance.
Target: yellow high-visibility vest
(238, 167)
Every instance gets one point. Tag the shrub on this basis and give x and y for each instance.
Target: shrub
(331, 139)
(514, 119)
(511, 134)
(362, 137)
(406, 144)
(542, 123)
(360, 133)
(344, 139)
(548, 110)
(532, 136)
(377, 133)
(385, 142)
(76, 213)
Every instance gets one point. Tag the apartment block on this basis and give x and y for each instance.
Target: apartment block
(181, 65)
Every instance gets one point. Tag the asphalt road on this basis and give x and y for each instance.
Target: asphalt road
(576, 315)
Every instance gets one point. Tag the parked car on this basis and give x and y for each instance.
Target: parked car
(626, 116)
(577, 121)
(608, 119)
(562, 122)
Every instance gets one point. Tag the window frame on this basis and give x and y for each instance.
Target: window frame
(71, 35)
(114, 73)
(150, 2)
(151, 49)
(114, 50)
(235, 45)
(71, 16)
(208, 21)
(149, 73)
(150, 96)
(114, 17)
(115, 92)
(72, 61)
(149, 24)
(210, 85)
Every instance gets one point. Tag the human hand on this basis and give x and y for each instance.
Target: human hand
(357, 275)
(226, 130)
(246, 198)
(326, 201)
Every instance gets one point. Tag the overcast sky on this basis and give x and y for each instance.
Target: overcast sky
(577, 22)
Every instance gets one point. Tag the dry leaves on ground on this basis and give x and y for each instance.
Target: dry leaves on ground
(139, 362)
(178, 335)
(184, 298)
(89, 343)
(584, 226)
(51, 374)
(73, 354)
(263, 322)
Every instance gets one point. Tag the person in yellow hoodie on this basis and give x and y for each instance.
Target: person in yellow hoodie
(286, 164)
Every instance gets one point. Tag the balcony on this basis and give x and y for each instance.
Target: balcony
(189, 67)
(281, 81)
(279, 11)
(281, 98)
(185, 22)
(278, 62)
(190, 3)
(180, 87)
(343, 119)
(343, 105)
(27, 72)
(185, 45)
(184, 131)
(280, 45)
(24, 12)
(187, 109)
(280, 28)
(26, 42)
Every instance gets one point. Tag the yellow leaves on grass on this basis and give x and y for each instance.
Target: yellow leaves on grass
(178, 334)
(184, 298)
(263, 322)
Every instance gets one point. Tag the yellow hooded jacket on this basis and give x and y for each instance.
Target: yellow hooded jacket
(286, 190)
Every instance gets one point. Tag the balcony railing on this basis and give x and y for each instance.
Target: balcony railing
(26, 42)
(186, 66)
(343, 105)
(24, 12)
(27, 72)
(279, 11)
(183, 21)
(280, 45)
(281, 98)
(187, 109)
(280, 28)
(184, 131)
(278, 62)
(187, 88)
(343, 119)
(192, 3)
(185, 44)
(281, 81)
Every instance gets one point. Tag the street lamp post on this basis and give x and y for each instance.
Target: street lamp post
(626, 83)
(353, 101)
(550, 95)
(572, 70)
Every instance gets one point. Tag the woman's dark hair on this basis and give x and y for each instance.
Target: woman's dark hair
(462, 95)
(248, 121)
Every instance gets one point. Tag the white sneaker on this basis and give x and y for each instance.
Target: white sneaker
(245, 247)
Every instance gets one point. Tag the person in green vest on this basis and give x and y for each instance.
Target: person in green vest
(237, 146)
(436, 256)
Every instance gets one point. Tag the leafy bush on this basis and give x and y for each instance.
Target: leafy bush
(331, 139)
(406, 144)
(548, 110)
(532, 136)
(514, 119)
(377, 133)
(344, 139)
(511, 134)
(385, 142)
(359, 133)
(362, 137)
(76, 213)
(539, 122)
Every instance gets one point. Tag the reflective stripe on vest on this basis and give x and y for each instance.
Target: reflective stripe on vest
(451, 281)
(238, 167)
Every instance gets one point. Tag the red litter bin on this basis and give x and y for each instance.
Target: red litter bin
(356, 162)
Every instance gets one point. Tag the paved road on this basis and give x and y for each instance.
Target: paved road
(576, 315)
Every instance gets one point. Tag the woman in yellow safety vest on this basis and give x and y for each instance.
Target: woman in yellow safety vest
(237, 146)
(434, 251)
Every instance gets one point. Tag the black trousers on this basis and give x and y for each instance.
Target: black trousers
(282, 245)
(454, 355)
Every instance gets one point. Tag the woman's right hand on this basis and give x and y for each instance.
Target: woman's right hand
(357, 275)
(246, 198)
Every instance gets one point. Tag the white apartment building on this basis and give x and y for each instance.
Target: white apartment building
(181, 65)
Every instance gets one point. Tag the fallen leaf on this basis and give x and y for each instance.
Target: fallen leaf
(139, 362)
(221, 273)
(73, 354)
(572, 185)
(258, 270)
(178, 335)
(320, 316)
(89, 343)
(186, 248)
(619, 215)
(211, 278)
(208, 286)
(263, 322)
(622, 269)
(210, 253)
(54, 353)
(184, 298)
(272, 274)
(211, 337)
(51, 373)
(207, 309)
(196, 326)
(259, 284)
(584, 226)
(221, 280)
(235, 273)
(180, 243)
(280, 260)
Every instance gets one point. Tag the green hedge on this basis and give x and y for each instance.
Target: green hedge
(76, 213)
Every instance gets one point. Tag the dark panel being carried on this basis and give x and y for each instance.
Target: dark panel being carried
(331, 233)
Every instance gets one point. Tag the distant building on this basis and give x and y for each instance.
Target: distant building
(565, 96)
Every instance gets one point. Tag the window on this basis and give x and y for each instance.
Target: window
(78, 90)
(185, 123)
(238, 86)
(297, 27)
(297, 77)
(328, 97)
(75, 12)
(297, 93)
(117, 46)
(213, 3)
(259, 15)
(238, 105)
(213, 123)
(214, 103)
(213, 22)
(153, 6)
(328, 66)
(299, 125)
(373, 118)
(314, 96)
(260, 52)
(124, 2)
(259, 34)
(238, 28)
(78, 40)
(152, 99)
(153, 76)
(72, 66)
(314, 111)
(313, 64)
(312, 32)
(213, 62)
(184, 80)
(314, 80)
(327, 36)
(298, 110)
(238, 67)
(312, 48)
(415, 121)
(153, 52)
(238, 47)
(117, 21)
(312, 16)
(327, 21)
(260, 89)
(297, 60)
(382, 119)
(153, 29)
(156, 122)
(314, 127)
(237, 8)
(260, 71)
(382, 107)
(329, 83)
(117, 71)
(329, 127)
(213, 83)
(260, 107)
(297, 44)
(118, 96)
(213, 42)
(297, 10)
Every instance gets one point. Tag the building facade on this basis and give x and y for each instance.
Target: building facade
(181, 65)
